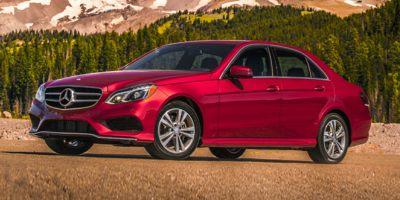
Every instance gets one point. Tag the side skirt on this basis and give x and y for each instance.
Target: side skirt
(277, 143)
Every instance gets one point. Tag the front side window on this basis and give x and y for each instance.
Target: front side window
(292, 64)
(257, 59)
(184, 56)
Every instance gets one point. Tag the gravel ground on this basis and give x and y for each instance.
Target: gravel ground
(15, 129)
(28, 170)
(382, 137)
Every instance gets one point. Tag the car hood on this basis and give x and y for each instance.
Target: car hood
(118, 79)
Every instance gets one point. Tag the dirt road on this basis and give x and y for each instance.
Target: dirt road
(29, 169)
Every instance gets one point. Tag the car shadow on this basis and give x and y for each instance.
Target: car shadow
(147, 157)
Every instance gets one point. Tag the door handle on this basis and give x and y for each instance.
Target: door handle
(319, 88)
(273, 88)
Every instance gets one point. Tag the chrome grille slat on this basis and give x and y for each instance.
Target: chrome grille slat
(52, 100)
(85, 100)
(83, 97)
(87, 94)
(53, 93)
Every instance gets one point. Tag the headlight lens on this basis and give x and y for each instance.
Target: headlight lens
(40, 93)
(132, 94)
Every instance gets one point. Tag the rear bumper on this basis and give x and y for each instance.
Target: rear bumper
(359, 141)
(360, 130)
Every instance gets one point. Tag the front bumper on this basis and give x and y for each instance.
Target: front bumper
(145, 112)
(93, 137)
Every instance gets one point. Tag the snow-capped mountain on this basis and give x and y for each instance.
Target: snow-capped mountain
(90, 16)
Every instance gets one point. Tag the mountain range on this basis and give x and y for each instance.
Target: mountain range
(92, 16)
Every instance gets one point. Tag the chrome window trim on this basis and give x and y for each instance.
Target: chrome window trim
(307, 59)
(66, 86)
(285, 77)
(273, 76)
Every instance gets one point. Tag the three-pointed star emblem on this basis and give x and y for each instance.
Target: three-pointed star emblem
(67, 97)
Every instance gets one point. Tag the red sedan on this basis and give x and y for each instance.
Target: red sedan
(225, 95)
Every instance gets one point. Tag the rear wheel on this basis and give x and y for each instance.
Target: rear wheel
(68, 146)
(227, 153)
(177, 132)
(333, 140)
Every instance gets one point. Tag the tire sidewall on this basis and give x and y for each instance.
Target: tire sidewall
(332, 116)
(58, 146)
(193, 146)
(225, 153)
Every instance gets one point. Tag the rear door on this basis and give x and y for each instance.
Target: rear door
(250, 107)
(305, 92)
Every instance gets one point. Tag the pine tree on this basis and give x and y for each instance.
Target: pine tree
(330, 54)
(394, 66)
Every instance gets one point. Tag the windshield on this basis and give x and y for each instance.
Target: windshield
(183, 56)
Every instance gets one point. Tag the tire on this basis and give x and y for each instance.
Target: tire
(227, 153)
(68, 146)
(152, 152)
(332, 147)
(170, 131)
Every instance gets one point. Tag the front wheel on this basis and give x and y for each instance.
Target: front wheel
(177, 132)
(333, 140)
(227, 153)
(68, 146)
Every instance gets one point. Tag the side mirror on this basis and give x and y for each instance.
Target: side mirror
(237, 71)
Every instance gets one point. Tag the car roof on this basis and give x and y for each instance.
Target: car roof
(236, 42)
(233, 42)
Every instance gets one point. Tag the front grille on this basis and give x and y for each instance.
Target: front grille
(69, 126)
(75, 97)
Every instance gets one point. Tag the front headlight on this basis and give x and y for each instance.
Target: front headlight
(132, 94)
(40, 93)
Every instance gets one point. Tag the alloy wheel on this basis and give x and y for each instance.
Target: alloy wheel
(176, 130)
(334, 138)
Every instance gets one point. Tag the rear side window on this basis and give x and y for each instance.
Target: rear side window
(291, 63)
(315, 71)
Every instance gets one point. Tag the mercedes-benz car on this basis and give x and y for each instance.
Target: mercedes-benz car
(228, 96)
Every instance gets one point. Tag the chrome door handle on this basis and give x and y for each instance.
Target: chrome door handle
(273, 88)
(319, 88)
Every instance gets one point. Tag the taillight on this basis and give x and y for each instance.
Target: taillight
(364, 98)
